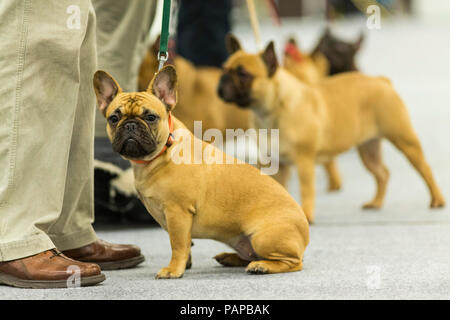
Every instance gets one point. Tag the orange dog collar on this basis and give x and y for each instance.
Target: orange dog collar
(292, 51)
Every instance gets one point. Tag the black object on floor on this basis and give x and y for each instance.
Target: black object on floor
(115, 198)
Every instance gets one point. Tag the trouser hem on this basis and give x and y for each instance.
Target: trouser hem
(74, 240)
(24, 248)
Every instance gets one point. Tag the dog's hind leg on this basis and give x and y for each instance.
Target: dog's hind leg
(189, 262)
(281, 249)
(334, 179)
(370, 153)
(395, 125)
(231, 260)
(306, 173)
(283, 174)
(408, 143)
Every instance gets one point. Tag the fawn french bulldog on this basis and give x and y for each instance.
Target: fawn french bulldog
(330, 56)
(310, 69)
(231, 203)
(318, 122)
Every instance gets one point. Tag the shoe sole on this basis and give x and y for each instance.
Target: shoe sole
(49, 284)
(121, 264)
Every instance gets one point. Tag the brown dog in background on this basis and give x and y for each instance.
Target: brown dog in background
(198, 99)
(340, 54)
(330, 56)
(318, 122)
(232, 203)
(310, 69)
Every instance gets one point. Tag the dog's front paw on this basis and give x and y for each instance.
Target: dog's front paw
(334, 186)
(168, 273)
(437, 203)
(373, 205)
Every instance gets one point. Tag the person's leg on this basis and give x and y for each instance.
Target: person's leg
(202, 26)
(40, 80)
(72, 231)
(73, 228)
(122, 33)
(39, 94)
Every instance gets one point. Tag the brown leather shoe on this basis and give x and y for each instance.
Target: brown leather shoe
(49, 269)
(108, 256)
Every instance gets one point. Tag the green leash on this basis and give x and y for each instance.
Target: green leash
(163, 54)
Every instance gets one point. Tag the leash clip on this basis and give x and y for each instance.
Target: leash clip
(162, 59)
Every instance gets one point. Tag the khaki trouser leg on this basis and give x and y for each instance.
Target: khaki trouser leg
(74, 229)
(122, 32)
(45, 148)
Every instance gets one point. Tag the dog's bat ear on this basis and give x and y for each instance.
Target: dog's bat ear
(292, 41)
(270, 59)
(325, 35)
(164, 86)
(358, 43)
(106, 88)
(232, 43)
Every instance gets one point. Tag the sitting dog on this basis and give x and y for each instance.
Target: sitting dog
(231, 203)
(319, 122)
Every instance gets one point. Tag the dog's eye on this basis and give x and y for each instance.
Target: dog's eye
(241, 72)
(151, 118)
(113, 119)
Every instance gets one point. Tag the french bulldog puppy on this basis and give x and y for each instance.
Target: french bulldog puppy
(318, 122)
(232, 203)
(197, 89)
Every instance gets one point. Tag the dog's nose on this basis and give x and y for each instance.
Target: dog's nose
(131, 126)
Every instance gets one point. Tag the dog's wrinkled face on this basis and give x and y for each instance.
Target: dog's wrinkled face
(242, 72)
(340, 54)
(137, 122)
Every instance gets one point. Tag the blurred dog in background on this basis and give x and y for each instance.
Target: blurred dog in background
(340, 54)
(318, 122)
(330, 56)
